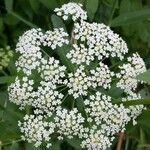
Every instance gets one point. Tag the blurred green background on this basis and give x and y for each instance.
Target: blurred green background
(129, 18)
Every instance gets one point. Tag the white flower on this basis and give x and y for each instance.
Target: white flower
(136, 110)
(55, 38)
(30, 41)
(47, 99)
(71, 9)
(78, 83)
(20, 92)
(68, 123)
(101, 76)
(36, 130)
(128, 73)
(100, 38)
(51, 70)
(44, 83)
(28, 62)
(95, 139)
(80, 54)
(127, 76)
(137, 63)
(99, 108)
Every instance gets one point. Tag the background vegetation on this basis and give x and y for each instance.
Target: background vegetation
(129, 18)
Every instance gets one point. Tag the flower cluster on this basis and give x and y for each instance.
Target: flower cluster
(69, 123)
(71, 9)
(55, 38)
(128, 73)
(54, 92)
(20, 91)
(100, 109)
(5, 56)
(137, 63)
(101, 39)
(80, 55)
(28, 62)
(50, 70)
(101, 76)
(78, 83)
(96, 139)
(35, 129)
(136, 110)
(46, 98)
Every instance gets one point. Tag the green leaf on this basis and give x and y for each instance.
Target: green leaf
(10, 20)
(34, 5)
(145, 101)
(57, 22)
(145, 76)
(91, 6)
(144, 117)
(131, 17)
(7, 79)
(22, 19)
(9, 5)
(29, 146)
(55, 145)
(62, 51)
(74, 142)
(50, 4)
(14, 146)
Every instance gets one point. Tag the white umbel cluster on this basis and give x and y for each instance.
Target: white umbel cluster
(101, 76)
(35, 129)
(20, 92)
(95, 139)
(69, 123)
(80, 54)
(78, 83)
(51, 70)
(101, 39)
(128, 73)
(72, 10)
(75, 103)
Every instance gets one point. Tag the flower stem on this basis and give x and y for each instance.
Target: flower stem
(120, 141)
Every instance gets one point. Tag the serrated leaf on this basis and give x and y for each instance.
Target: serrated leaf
(144, 76)
(131, 17)
(91, 6)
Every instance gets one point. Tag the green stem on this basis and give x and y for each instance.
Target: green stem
(65, 97)
(112, 12)
(16, 141)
